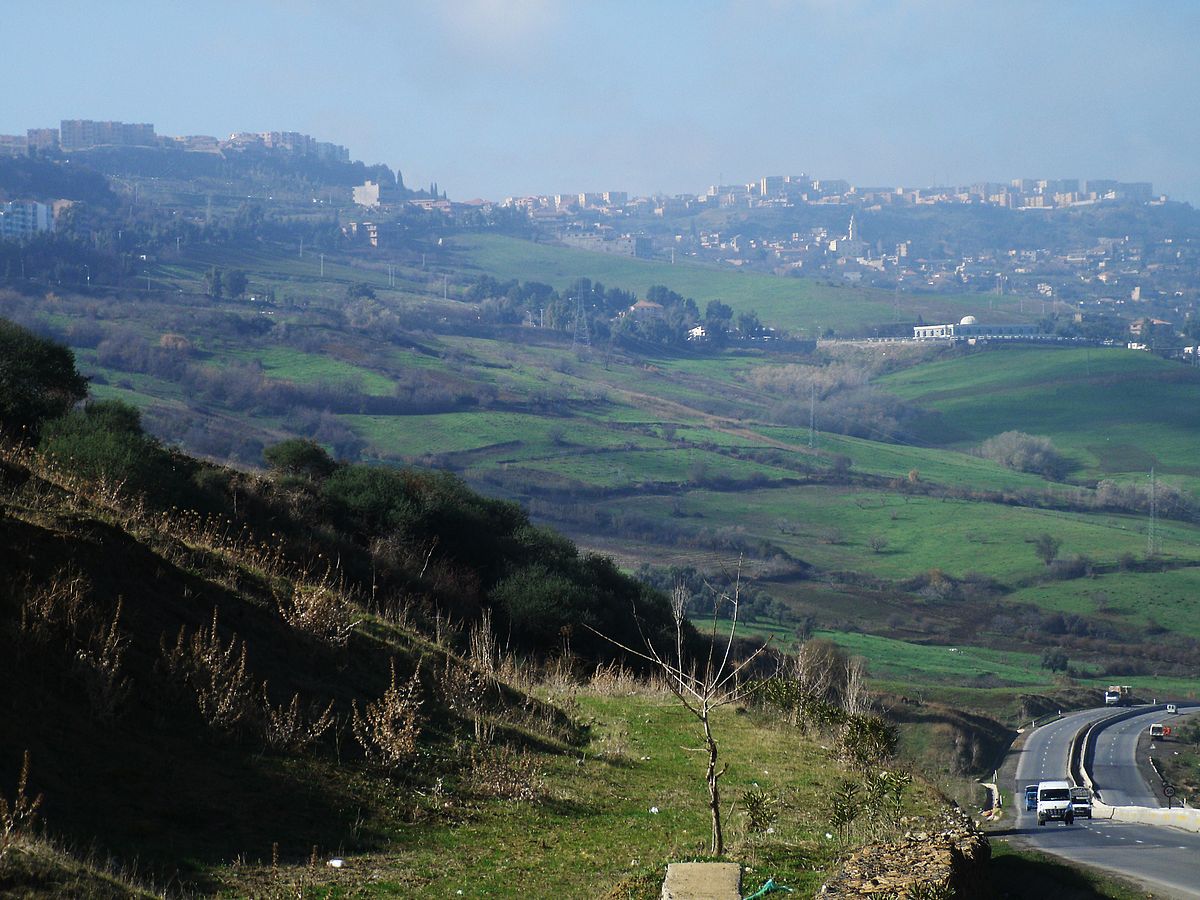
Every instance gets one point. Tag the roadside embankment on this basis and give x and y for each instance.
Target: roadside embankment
(954, 856)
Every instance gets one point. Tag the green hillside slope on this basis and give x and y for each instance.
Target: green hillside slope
(799, 305)
(1115, 411)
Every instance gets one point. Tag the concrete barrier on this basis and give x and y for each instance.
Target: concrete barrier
(1187, 819)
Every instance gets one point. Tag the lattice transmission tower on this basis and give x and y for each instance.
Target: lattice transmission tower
(1153, 538)
(582, 338)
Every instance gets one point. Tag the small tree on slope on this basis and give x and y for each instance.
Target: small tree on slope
(705, 687)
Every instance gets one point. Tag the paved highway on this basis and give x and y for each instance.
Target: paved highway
(1166, 859)
(1112, 764)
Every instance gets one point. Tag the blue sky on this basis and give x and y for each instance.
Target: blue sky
(500, 97)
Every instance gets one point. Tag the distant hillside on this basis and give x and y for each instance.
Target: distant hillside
(24, 178)
(1115, 411)
(799, 305)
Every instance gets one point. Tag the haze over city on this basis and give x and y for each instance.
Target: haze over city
(494, 99)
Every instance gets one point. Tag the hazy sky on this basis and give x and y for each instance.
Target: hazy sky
(500, 97)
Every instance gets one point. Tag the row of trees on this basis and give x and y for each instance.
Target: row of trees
(604, 309)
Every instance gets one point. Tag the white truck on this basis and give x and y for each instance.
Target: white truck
(1054, 802)
(1081, 802)
(1117, 694)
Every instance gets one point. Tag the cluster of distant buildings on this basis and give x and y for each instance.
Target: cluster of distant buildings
(1020, 193)
(788, 190)
(86, 134)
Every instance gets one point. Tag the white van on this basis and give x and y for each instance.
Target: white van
(1054, 802)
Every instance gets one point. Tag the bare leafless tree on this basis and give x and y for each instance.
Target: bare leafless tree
(856, 700)
(704, 686)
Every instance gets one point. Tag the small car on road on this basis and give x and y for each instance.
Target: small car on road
(1030, 797)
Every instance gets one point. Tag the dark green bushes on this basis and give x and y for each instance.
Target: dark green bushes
(104, 440)
(301, 458)
(37, 379)
(542, 592)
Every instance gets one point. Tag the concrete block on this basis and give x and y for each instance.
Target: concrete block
(703, 881)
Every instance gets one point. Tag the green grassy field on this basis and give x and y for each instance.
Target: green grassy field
(635, 800)
(798, 305)
(948, 467)
(903, 661)
(898, 663)
(1114, 411)
(283, 270)
(307, 368)
(831, 527)
(1156, 599)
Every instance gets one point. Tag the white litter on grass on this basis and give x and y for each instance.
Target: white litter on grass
(828, 836)
(654, 810)
(336, 863)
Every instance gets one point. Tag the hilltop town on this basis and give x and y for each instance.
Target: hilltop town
(1097, 258)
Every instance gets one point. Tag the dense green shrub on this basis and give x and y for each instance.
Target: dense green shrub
(300, 457)
(542, 591)
(38, 380)
(542, 606)
(105, 440)
(1026, 453)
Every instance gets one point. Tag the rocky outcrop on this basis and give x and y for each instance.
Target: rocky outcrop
(943, 858)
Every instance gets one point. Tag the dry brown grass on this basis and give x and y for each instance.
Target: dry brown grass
(321, 611)
(289, 729)
(56, 608)
(502, 773)
(388, 728)
(100, 662)
(18, 818)
(216, 673)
